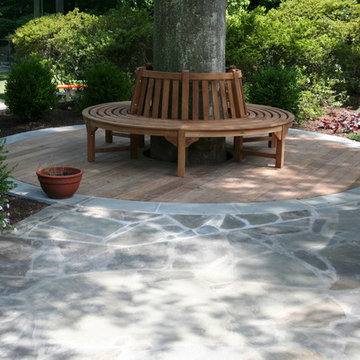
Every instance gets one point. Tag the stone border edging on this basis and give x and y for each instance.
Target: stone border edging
(34, 192)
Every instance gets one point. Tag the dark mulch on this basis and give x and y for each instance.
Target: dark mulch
(9, 125)
(21, 208)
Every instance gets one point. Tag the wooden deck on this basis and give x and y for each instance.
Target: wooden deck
(313, 167)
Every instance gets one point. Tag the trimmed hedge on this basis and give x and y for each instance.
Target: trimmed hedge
(29, 89)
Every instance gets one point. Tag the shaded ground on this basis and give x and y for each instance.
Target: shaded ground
(10, 125)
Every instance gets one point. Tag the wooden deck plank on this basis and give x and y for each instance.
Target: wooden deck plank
(335, 168)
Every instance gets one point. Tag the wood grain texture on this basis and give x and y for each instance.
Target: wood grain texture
(335, 168)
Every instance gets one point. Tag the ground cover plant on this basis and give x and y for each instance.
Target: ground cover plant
(355, 137)
(5, 186)
(346, 122)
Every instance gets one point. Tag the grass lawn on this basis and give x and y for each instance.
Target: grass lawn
(3, 77)
(355, 136)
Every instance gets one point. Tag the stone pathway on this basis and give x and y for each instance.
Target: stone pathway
(94, 279)
(2, 106)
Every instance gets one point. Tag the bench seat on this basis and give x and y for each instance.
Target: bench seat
(259, 119)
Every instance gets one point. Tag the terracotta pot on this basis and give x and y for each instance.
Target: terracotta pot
(59, 182)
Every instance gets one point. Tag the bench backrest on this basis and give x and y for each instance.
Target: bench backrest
(188, 96)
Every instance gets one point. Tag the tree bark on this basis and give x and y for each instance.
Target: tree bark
(60, 6)
(37, 8)
(190, 35)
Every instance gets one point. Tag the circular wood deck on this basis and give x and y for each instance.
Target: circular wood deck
(313, 167)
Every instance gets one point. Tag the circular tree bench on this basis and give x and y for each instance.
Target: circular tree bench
(184, 107)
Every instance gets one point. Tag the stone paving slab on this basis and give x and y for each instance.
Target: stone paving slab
(278, 281)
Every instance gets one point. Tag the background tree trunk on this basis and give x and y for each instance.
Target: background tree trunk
(60, 6)
(190, 35)
(37, 8)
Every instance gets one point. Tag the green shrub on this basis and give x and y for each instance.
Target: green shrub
(5, 186)
(276, 86)
(29, 90)
(322, 38)
(355, 136)
(67, 41)
(105, 83)
(317, 93)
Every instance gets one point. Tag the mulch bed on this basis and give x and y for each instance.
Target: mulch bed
(21, 208)
(10, 124)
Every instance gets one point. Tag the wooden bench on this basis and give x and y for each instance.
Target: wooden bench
(184, 107)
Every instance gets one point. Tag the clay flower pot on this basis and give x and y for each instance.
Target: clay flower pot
(59, 182)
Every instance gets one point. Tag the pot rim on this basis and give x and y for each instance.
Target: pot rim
(41, 172)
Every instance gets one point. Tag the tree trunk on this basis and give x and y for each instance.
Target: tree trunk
(190, 35)
(37, 8)
(60, 6)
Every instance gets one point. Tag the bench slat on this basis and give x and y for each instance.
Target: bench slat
(195, 99)
(185, 95)
(240, 110)
(156, 101)
(165, 99)
(137, 91)
(140, 106)
(148, 99)
(215, 100)
(222, 93)
(205, 98)
(175, 100)
(179, 95)
(231, 99)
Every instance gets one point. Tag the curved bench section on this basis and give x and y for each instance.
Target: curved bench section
(259, 119)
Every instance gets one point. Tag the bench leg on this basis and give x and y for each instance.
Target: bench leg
(272, 142)
(108, 136)
(91, 142)
(238, 146)
(280, 148)
(141, 140)
(134, 145)
(181, 158)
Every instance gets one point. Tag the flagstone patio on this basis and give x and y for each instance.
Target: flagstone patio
(103, 278)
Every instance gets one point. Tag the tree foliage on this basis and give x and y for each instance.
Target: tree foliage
(320, 37)
(14, 14)
(74, 41)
